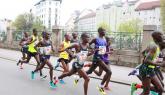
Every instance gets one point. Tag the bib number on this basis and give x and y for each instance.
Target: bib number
(102, 50)
(47, 50)
(82, 57)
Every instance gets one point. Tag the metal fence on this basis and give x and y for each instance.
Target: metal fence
(3, 36)
(126, 40)
(120, 40)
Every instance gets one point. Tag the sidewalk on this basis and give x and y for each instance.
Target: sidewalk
(119, 73)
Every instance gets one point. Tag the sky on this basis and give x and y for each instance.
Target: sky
(11, 8)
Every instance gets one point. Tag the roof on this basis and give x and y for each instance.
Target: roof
(90, 15)
(45, 0)
(148, 5)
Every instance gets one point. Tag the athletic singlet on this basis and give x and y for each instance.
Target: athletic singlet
(82, 55)
(64, 54)
(32, 45)
(72, 43)
(106, 56)
(46, 49)
(155, 57)
(25, 39)
(101, 45)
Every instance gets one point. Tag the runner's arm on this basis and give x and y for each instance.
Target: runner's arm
(110, 51)
(31, 41)
(92, 42)
(38, 44)
(148, 60)
(52, 47)
(20, 43)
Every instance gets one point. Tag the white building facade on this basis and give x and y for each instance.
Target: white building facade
(86, 23)
(149, 13)
(116, 13)
(119, 12)
(49, 12)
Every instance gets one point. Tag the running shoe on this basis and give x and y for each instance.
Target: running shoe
(133, 88)
(32, 75)
(153, 93)
(52, 85)
(101, 90)
(76, 81)
(61, 81)
(55, 82)
(134, 72)
(18, 62)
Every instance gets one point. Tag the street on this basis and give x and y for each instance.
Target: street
(15, 81)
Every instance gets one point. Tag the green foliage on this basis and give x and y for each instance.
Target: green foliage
(162, 3)
(133, 26)
(26, 22)
(105, 26)
(38, 24)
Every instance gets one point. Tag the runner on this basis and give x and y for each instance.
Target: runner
(32, 51)
(147, 72)
(98, 58)
(73, 41)
(152, 70)
(80, 57)
(109, 50)
(74, 38)
(24, 48)
(64, 56)
(45, 52)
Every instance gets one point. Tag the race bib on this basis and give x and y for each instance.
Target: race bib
(102, 50)
(47, 50)
(41, 49)
(82, 56)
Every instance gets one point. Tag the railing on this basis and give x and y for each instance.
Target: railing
(120, 40)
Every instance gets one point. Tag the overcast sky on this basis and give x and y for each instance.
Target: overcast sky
(11, 8)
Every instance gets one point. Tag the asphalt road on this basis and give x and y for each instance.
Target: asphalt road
(15, 81)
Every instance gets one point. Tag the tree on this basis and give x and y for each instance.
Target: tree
(162, 3)
(27, 21)
(105, 26)
(38, 25)
(133, 26)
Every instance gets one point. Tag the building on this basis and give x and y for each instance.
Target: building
(49, 12)
(70, 24)
(4, 24)
(149, 13)
(86, 23)
(81, 15)
(113, 14)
